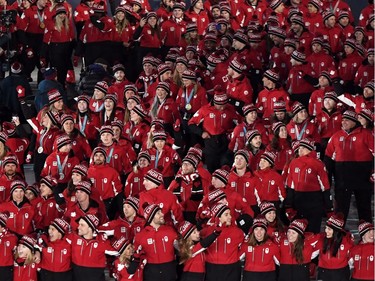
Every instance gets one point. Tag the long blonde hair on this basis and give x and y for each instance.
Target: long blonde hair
(29, 258)
(185, 246)
(62, 22)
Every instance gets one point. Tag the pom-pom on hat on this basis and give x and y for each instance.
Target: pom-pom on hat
(154, 176)
(16, 67)
(186, 229)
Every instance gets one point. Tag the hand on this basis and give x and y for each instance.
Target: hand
(43, 63)
(29, 53)
(206, 214)
(29, 157)
(20, 92)
(177, 125)
(205, 135)
(290, 213)
(142, 22)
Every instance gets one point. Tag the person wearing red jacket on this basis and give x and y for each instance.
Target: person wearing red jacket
(137, 127)
(8, 175)
(47, 210)
(25, 266)
(242, 180)
(308, 187)
(362, 100)
(155, 193)
(82, 206)
(198, 15)
(299, 32)
(336, 6)
(222, 256)
(86, 122)
(20, 212)
(156, 244)
(214, 123)
(271, 187)
(8, 243)
(332, 32)
(319, 60)
(189, 187)
(281, 146)
(134, 182)
(271, 93)
(147, 76)
(173, 29)
(255, 147)
(296, 252)
(328, 120)
(163, 157)
(298, 87)
(96, 35)
(349, 156)
(116, 156)
(362, 255)
(58, 43)
(60, 163)
(239, 89)
(365, 72)
(89, 250)
(261, 255)
(80, 145)
(334, 246)
(82, 14)
(106, 180)
(275, 227)
(128, 225)
(56, 252)
(313, 18)
(251, 122)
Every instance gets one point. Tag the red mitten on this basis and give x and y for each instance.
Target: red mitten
(29, 53)
(20, 92)
(29, 157)
(290, 214)
(177, 125)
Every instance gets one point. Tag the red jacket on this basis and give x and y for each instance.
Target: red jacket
(214, 121)
(149, 38)
(165, 161)
(316, 101)
(23, 272)
(52, 169)
(121, 272)
(90, 253)
(53, 35)
(296, 84)
(119, 158)
(171, 32)
(260, 258)
(122, 227)
(286, 251)
(307, 174)
(44, 138)
(244, 185)
(284, 154)
(18, 146)
(21, 217)
(46, 211)
(156, 245)
(137, 133)
(56, 256)
(168, 112)
(92, 34)
(267, 98)
(335, 37)
(167, 202)
(320, 61)
(30, 21)
(201, 19)
(272, 185)
(81, 13)
(81, 147)
(328, 124)
(197, 261)
(8, 243)
(239, 89)
(327, 260)
(365, 73)
(105, 179)
(134, 182)
(197, 99)
(313, 22)
(306, 129)
(88, 126)
(362, 260)
(238, 137)
(348, 66)
(226, 248)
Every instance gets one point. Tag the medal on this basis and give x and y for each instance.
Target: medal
(188, 106)
(40, 149)
(42, 25)
(61, 176)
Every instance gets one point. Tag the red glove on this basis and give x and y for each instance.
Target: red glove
(43, 62)
(75, 61)
(329, 214)
(290, 214)
(177, 125)
(206, 214)
(20, 92)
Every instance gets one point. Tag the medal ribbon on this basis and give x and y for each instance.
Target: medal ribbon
(42, 138)
(59, 166)
(157, 158)
(299, 134)
(189, 97)
(109, 155)
(82, 125)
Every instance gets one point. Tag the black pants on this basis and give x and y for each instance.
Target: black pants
(302, 98)
(60, 57)
(6, 273)
(259, 276)
(216, 152)
(96, 50)
(294, 272)
(362, 198)
(46, 275)
(39, 159)
(160, 272)
(192, 276)
(223, 272)
(82, 273)
(341, 274)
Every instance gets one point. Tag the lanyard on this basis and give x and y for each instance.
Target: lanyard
(157, 158)
(109, 155)
(300, 134)
(82, 125)
(161, 105)
(42, 138)
(59, 166)
(190, 96)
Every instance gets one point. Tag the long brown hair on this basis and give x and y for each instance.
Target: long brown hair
(254, 242)
(185, 246)
(298, 249)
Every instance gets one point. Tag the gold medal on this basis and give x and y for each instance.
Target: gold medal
(40, 150)
(61, 176)
(42, 25)
(188, 106)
